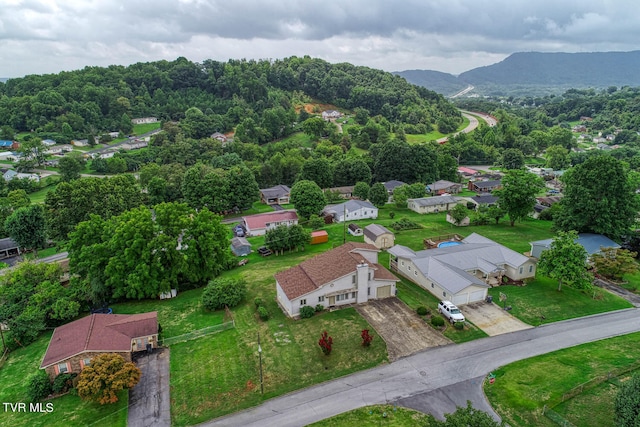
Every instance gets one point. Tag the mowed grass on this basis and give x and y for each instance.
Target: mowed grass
(376, 415)
(67, 410)
(594, 407)
(523, 388)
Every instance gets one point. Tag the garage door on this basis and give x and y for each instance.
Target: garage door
(460, 299)
(383, 291)
(477, 296)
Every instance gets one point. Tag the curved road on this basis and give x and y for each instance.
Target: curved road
(473, 123)
(454, 369)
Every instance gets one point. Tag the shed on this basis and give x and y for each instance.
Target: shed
(355, 230)
(320, 236)
(240, 246)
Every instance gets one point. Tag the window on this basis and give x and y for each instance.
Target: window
(353, 279)
(415, 272)
(444, 294)
(520, 270)
(432, 285)
(369, 275)
(530, 268)
(63, 368)
(303, 301)
(342, 297)
(87, 362)
(368, 291)
(409, 268)
(402, 263)
(321, 298)
(353, 295)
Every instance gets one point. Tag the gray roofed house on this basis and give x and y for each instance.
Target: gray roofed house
(434, 204)
(483, 199)
(379, 236)
(592, 243)
(351, 210)
(391, 185)
(461, 272)
(275, 195)
(485, 186)
(443, 186)
(8, 247)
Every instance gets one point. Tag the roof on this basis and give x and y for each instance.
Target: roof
(349, 206)
(589, 241)
(373, 231)
(237, 242)
(442, 185)
(319, 233)
(313, 273)
(354, 227)
(435, 200)
(391, 185)
(5, 143)
(487, 199)
(467, 171)
(8, 243)
(274, 192)
(448, 266)
(98, 333)
(487, 184)
(261, 220)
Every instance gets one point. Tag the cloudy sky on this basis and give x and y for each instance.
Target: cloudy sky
(48, 36)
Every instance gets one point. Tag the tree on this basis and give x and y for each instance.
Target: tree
(126, 126)
(70, 166)
(557, 157)
(458, 214)
(319, 171)
(361, 190)
(307, 198)
(464, 417)
(34, 150)
(614, 263)
(378, 195)
(627, 403)
(223, 292)
(518, 193)
(599, 197)
(366, 338)
(18, 199)
(27, 227)
(325, 343)
(495, 212)
(314, 126)
(565, 261)
(400, 195)
(512, 158)
(105, 377)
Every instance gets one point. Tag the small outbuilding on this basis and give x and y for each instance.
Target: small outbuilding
(378, 236)
(354, 229)
(320, 236)
(240, 246)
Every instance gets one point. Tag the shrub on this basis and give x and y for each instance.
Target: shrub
(38, 386)
(306, 312)
(422, 310)
(258, 302)
(220, 292)
(366, 338)
(405, 224)
(63, 383)
(437, 321)
(263, 313)
(459, 325)
(319, 308)
(392, 214)
(325, 343)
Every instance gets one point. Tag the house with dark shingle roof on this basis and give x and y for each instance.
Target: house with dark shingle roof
(348, 274)
(278, 195)
(434, 204)
(443, 186)
(73, 345)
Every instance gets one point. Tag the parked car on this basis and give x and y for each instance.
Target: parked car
(450, 311)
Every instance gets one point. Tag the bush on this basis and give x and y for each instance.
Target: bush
(263, 313)
(63, 383)
(306, 312)
(38, 386)
(405, 224)
(422, 310)
(437, 321)
(220, 292)
(258, 302)
(319, 308)
(459, 325)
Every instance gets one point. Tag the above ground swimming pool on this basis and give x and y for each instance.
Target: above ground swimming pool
(445, 244)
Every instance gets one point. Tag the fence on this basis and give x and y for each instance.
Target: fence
(4, 357)
(555, 417)
(229, 323)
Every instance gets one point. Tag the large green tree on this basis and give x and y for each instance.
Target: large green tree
(307, 198)
(565, 261)
(378, 195)
(518, 193)
(27, 227)
(105, 377)
(599, 197)
(319, 171)
(512, 158)
(70, 166)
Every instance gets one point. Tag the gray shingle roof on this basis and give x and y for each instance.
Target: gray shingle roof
(275, 192)
(435, 200)
(349, 206)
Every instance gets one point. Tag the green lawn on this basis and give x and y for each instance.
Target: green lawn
(39, 196)
(522, 388)
(374, 416)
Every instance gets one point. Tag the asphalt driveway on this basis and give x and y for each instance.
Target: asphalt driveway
(149, 403)
(403, 330)
(492, 319)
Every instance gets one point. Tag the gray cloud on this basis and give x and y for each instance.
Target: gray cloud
(42, 36)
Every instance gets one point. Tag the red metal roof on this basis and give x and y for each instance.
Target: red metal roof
(260, 220)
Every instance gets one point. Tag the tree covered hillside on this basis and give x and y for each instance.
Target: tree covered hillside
(263, 96)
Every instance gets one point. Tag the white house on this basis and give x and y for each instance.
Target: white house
(331, 114)
(351, 210)
(348, 274)
(434, 204)
(48, 142)
(80, 142)
(461, 272)
(257, 225)
(144, 120)
(7, 155)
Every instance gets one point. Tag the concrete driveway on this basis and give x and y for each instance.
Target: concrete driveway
(492, 319)
(149, 403)
(403, 330)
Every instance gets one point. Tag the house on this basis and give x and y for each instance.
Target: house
(8, 248)
(592, 243)
(144, 120)
(378, 236)
(579, 128)
(354, 229)
(548, 201)
(331, 114)
(434, 204)
(483, 199)
(7, 155)
(467, 172)
(345, 192)
(9, 174)
(462, 271)
(48, 142)
(485, 186)
(348, 274)
(440, 187)
(134, 145)
(320, 236)
(278, 195)
(351, 211)
(107, 154)
(391, 185)
(9, 145)
(73, 345)
(219, 136)
(80, 142)
(240, 246)
(257, 225)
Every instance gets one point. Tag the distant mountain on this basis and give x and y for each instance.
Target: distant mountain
(538, 73)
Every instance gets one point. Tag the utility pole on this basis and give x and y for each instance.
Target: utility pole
(344, 223)
(260, 355)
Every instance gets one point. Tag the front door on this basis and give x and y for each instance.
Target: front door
(332, 301)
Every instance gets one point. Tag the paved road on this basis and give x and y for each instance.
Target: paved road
(52, 258)
(430, 371)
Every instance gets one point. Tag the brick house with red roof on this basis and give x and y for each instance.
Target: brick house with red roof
(257, 225)
(73, 345)
(348, 274)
